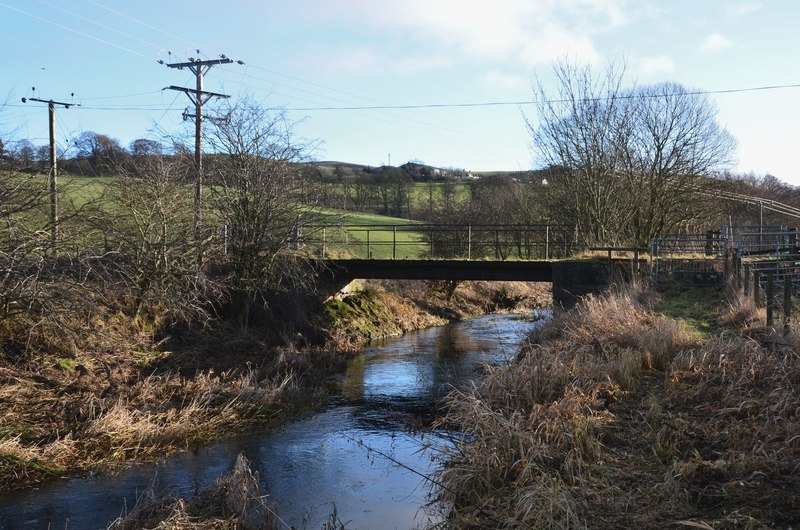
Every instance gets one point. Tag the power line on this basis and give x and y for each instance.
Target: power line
(438, 105)
(150, 26)
(109, 28)
(412, 120)
(145, 24)
(73, 30)
(534, 101)
(122, 96)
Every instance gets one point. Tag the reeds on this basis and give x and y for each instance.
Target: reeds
(144, 418)
(233, 502)
(615, 417)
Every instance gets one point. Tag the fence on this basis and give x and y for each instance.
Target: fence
(414, 241)
(762, 261)
(689, 259)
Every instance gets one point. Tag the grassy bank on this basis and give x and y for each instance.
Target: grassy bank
(383, 308)
(635, 410)
(115, 389)
(119, 391)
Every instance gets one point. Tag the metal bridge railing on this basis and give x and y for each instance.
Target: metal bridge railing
(437, 241)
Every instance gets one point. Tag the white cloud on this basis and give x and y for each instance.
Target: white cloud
(526, 31)
(411, 65)
(715, 43)
(350, 61)
(745, 8)
(654, 66)
(497, 80)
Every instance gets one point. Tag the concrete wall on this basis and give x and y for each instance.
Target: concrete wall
(574, 279)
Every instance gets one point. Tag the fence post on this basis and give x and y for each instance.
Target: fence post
(369, 252)
(497, 244)
(737, 262)
(469, 242)
(726, 267)
(747, 279)
(757, 287)
(787, 304)
(652, 259)
(394, 241)
(323, 242)
(770, 297)
(547, 240)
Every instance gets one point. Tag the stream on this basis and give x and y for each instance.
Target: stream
(357, 453)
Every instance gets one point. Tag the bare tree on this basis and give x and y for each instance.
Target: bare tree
(578, 130)
(147, 230)
(260, 195)
(674, 143)
(625, 164)
(23, 242)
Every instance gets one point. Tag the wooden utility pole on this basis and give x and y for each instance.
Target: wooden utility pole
(53, 171)
(199, 97)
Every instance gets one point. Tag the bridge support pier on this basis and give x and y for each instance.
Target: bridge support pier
(574, 279)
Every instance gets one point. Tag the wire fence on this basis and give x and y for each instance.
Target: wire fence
(762, 261)
(692, 259)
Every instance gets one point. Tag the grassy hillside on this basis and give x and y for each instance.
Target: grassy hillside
(361, 235)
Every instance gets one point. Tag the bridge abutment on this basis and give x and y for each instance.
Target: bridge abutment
(574, 279)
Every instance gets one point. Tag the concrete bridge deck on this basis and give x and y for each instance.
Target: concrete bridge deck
(387, 269)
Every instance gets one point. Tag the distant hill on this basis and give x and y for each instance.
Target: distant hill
(416, 171)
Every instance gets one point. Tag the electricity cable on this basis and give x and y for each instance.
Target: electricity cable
(109, 28)
(73, 30)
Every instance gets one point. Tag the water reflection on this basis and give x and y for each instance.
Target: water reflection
(335, 456)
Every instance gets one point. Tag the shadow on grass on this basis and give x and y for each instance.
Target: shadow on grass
(696, 305)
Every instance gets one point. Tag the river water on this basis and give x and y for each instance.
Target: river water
(364, 452)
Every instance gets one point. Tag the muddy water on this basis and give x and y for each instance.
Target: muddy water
(361, 453)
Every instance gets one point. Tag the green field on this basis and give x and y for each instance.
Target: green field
(346, 234)
(360, 235)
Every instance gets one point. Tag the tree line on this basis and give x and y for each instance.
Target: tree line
(126, 244)
(621, 165)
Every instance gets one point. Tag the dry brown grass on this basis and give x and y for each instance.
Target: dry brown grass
(741, 311)
(614, 417)
(233, 502)
(94, 407)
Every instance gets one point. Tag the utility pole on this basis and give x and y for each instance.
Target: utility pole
(53, 172)
(199, 97)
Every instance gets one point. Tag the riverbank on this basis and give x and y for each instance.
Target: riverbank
(117, 389)
(636, 409)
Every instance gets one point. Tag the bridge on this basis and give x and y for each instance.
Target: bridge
(541, 252)
(456, 252)
(445, 269)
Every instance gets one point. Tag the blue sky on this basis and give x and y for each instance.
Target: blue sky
(307, 54)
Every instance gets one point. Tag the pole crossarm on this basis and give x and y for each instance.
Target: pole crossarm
(193, 94)
(193, 65)
(51, 102)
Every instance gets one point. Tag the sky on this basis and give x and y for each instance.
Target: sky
(468, 65)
